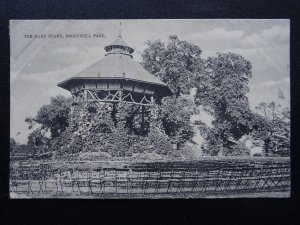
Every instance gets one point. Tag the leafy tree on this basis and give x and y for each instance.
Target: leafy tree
(54, 116)
(176, 113)
(37, 142)
(221, 91)
(176, 63)
(272, 126)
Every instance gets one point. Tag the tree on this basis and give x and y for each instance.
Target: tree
(221, 91)
(175, 63)
(54, 116)
(176, 113)
(272, 126)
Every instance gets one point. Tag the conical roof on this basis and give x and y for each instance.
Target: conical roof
(119, 42)
(117, 64)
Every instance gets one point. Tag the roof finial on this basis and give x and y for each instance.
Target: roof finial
(120, 30)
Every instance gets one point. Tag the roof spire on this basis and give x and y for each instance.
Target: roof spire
(120, 30)
(119, 46)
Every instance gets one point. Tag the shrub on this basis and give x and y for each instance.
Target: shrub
(237, 149)
(93, 156)
(159, 142)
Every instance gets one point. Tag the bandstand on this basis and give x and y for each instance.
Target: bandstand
(117, 79)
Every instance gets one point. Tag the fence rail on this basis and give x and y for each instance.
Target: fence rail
(138, 180)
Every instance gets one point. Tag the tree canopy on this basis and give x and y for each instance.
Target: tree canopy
(176, 63)
(53, 116)
(176, 113)
(221, 91)
(272, 126)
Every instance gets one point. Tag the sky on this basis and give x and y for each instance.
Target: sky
(38, 64)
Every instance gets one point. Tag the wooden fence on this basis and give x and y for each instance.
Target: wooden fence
(149, 180)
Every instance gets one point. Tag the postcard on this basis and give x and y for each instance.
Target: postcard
(185, 108)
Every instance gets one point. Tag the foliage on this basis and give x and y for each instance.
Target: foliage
(134, 121)
(93, 156)
(35, 138)
(159, 142)
(94, 130)
(221, 91)
(37, 142)
(176, 115)
(121, 143)
(272, 126)
(176, 63)
(54, 116)
(17, 150)
(86, 122)
(236, 149)
(57, 144)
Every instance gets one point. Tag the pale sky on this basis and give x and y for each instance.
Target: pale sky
(37, 65)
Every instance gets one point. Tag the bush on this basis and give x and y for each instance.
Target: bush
(118, 143)
(190, 150)
(237, 149)
(93, 156)
(159, 142)
(66, 144)
(232, 149)
(121, 143)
